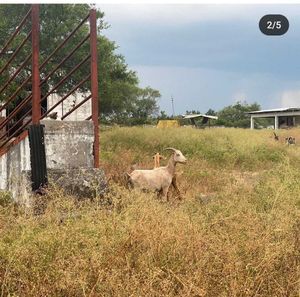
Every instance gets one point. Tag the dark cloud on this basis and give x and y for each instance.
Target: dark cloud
(218, 58)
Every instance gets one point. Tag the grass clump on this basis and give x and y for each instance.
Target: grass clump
(236, 232)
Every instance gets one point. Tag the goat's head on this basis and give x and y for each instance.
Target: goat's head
(290, 140)
(158, 156)
(177, 155)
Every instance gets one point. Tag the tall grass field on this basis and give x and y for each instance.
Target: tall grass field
(235, 232)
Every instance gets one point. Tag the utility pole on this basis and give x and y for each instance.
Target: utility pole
(172, 100)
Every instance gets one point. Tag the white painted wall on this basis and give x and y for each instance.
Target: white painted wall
(68, 144)
(80, 114)
(14, 165)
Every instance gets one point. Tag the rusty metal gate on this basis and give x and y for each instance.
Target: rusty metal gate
(23, 106)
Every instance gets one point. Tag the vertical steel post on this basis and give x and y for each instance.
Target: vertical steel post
(251, 122)
(36, 92)
(94, 83)
(276, 124)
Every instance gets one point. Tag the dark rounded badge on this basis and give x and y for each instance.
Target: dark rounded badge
(274, 24)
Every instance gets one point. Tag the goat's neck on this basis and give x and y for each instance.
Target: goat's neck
(171, 165)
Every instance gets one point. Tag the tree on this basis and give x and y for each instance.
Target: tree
(211, 112)
(192, 112)
(56, 22)
(163, 115)
(235, 115)
(118, 85)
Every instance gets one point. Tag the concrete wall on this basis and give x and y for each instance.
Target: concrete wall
(13, 166)
(68, 144)
(80, 114)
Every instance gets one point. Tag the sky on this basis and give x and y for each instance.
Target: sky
(209, 56)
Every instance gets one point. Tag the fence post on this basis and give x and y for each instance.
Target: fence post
(36, 92)
(94, 83)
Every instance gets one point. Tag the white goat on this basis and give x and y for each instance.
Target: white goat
(158, 179)
(157, 157)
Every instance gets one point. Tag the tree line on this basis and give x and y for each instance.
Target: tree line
(234, 115)
(122, 100)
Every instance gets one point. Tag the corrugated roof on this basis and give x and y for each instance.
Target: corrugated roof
(287, 109)
(193, 116)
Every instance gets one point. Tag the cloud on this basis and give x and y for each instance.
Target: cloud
(222, 37)
(201, 88)
(179, 14)
(290, 98)
(208, 56)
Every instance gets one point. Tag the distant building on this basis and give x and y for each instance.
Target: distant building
(205, 118)
(283, 117)
(168, 124)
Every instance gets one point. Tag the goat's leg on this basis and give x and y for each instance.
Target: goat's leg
(174, 184)
(165, 193)
(159, 193)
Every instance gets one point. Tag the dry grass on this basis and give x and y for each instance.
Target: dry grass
(236, 233)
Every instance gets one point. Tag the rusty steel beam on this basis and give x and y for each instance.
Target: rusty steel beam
(15, 111)
(15, 74)
(65, 59)
(66, 96)
(15, 53)
(15, 124)
(64, 42)
(13, 96)
(94, 83)
(19, 138)
(36, 92)
(65, 78)
(76, 107)
(16, 132)
(16, 32)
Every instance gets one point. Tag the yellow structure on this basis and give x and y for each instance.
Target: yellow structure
(168, 124)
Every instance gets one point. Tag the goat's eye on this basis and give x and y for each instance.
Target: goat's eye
(177, 155)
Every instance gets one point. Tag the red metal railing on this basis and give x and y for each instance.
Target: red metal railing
(28, 109)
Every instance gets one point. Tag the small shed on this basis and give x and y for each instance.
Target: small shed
(205, 118)
(168, 124)
(283, 117)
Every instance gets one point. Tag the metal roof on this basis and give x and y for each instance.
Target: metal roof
(287, 109)
(193, 116)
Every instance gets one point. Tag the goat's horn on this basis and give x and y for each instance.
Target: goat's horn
(170, 148)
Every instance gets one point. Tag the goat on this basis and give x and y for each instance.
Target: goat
(290, 140)
(158, 179)
(157, 157)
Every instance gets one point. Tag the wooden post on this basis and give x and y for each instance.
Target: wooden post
(36, 92)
